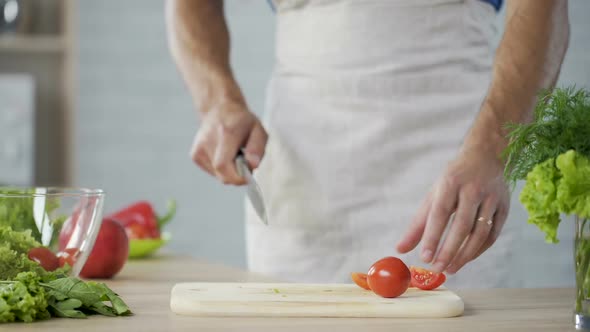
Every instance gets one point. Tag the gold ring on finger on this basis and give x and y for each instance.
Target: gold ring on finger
(487, 221)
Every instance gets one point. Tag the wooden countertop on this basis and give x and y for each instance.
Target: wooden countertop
(145, 285)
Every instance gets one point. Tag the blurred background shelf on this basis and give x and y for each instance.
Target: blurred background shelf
(37, 46)
(32, 44)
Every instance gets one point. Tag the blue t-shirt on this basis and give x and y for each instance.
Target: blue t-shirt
(497, 4)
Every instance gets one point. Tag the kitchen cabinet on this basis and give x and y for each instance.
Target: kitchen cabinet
(44, 49)
(145, 285)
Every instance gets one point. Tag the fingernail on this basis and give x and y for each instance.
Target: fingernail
(253, 159)
(427, 256)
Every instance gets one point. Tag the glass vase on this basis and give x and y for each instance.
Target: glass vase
(582, 267)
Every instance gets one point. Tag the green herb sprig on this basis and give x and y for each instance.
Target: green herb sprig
(561, 122)
(552, 155)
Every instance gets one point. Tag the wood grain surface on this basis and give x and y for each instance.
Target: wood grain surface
(308, 300)
(146, 286)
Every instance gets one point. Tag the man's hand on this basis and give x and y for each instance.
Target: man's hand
(199, 43)
(473, 189)
(225, 130)
(527, 60)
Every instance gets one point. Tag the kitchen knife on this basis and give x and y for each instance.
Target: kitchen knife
(254, 192)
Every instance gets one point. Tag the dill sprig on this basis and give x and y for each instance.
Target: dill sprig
(561, 122)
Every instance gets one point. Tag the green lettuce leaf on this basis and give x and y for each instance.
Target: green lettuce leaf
(539, 195)
(557, 186)
(19, 241)
(12, 263)
(14, 248)
(573, 192)
(16, 212)
(23, 299)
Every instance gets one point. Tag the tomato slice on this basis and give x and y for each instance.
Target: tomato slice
(360, 279)
(67, 256)
(426, 279)
(44, 257)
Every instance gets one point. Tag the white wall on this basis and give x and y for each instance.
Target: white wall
(136, 120)
(136, 123)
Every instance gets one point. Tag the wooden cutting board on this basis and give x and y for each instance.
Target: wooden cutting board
(308, 300)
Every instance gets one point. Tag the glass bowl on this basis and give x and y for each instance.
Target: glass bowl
(43, 211)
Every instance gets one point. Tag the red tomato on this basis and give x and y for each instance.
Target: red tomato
(67, 256)
(389, 277)
(44, 257)
(109, 253)
(426, 279)
(360, 279)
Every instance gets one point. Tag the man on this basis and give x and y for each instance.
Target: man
(374, 107)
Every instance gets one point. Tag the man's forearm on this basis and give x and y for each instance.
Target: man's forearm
(528, 60)
(199, 43)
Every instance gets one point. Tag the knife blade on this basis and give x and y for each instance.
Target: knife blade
(253, 190)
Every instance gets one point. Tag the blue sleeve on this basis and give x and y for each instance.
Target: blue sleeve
(496, 3)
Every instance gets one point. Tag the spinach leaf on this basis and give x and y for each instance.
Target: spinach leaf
(74, 288)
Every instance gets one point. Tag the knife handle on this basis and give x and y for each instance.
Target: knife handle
(241, 163)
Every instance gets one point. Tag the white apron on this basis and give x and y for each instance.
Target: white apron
(368, 101)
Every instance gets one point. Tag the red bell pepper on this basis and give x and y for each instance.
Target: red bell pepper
(141, 221)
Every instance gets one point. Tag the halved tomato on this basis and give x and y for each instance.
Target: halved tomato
(426, 279)
(360, 279)
(67, 256)
(45, 257)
